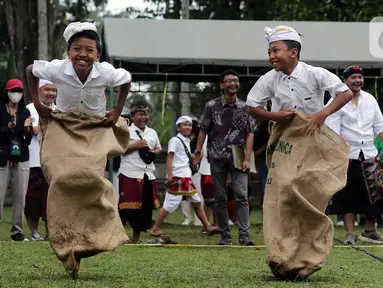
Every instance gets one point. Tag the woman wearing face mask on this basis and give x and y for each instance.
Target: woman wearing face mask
(15, 136)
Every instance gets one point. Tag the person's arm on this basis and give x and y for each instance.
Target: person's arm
(169, 169)
(259, 151)
(117, 77)
(33, 83)
(341, 94)
(200, 141)
(157, 149)
(112, 116)
(261, 112)
(136, 146)
(378, 120)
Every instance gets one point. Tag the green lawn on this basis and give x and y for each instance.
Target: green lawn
(35, 265)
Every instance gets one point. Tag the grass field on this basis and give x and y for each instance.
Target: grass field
(34, 264)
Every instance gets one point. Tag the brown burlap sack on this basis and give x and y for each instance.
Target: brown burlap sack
(304, 173)
(82, 210)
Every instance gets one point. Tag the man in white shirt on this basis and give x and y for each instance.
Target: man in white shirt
(37, 192)
(137, 183)
(359, 122)
(294, 85)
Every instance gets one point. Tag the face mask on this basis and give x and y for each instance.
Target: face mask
(15, 97)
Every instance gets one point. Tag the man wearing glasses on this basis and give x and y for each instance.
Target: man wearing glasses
(227, 124)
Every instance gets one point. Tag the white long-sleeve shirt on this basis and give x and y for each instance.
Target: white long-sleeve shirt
(358, 125)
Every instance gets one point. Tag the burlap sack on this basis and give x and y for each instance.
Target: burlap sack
(82, 211)
(304, 173)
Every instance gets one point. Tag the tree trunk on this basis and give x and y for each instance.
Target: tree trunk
(21, 16)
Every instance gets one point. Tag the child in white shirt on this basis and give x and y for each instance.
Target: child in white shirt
(178, 183)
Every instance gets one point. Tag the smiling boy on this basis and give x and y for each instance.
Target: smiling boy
(293, 84)
(77, 138)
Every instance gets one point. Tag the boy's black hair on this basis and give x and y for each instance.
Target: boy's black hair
(138, 105)
(89, 34)
(225, 73)
(294, 44)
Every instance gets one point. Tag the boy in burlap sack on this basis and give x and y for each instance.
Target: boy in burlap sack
(77, 139)
(296, 245)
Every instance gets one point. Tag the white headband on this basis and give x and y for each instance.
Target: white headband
(44, 82)
(280, 33)
(77, 27)
(184, 119)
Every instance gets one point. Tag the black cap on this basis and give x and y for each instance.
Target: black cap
(354, 69)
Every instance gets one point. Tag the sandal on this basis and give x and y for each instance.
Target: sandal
(166, 240)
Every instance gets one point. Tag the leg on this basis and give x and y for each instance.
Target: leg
(186, 211)
(4, 180)
(20, 178)
(136, 236)
(156, 229)
(349, 222)
(219, 175)
(171, 203)
(240, 184)
(196, 179)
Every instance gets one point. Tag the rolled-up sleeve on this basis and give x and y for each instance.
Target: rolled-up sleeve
(206, 118)
(328, 81)
(378, 119)
(117, 77)
(42, 70)
(259, 94)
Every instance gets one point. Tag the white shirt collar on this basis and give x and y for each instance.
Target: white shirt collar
(187, 139)
(136, 128)
(296, 72)
(69, 70)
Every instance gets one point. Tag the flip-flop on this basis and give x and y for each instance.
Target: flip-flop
(167, 240)
(212, 232)
(161, 234)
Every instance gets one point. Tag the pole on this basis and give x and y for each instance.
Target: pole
(185, 9)
(42, 29)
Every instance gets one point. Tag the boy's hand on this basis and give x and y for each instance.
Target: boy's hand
(196, 159)
(43, 110)
(315, 123)
(156, 151)
(283, 115)
(141, 144)
(168, 183)
(112, 117)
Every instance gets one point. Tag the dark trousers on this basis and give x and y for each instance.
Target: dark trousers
(239, 179)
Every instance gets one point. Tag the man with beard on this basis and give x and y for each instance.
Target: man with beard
(137, 183)
(227, 124)
(37, 193)
(359, 122)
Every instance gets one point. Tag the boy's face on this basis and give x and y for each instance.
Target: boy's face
(47, 94)
(185, 128)
(355, 82)
(281, 57)
(140, 119)
(83, 53)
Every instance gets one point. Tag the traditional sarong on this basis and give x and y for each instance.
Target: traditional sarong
(363, 188)
(82, 211)
(182, 186)
(37, 194)
(304, 173)
(138, 199)
(131, 191)
(207, 189)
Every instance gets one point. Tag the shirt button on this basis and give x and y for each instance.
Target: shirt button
(81, 101)
(362, 142)
(292, 89)
(288, 78)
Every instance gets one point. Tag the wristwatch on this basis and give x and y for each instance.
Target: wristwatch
(197, 152)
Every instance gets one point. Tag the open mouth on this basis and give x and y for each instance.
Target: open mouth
(82, 62)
